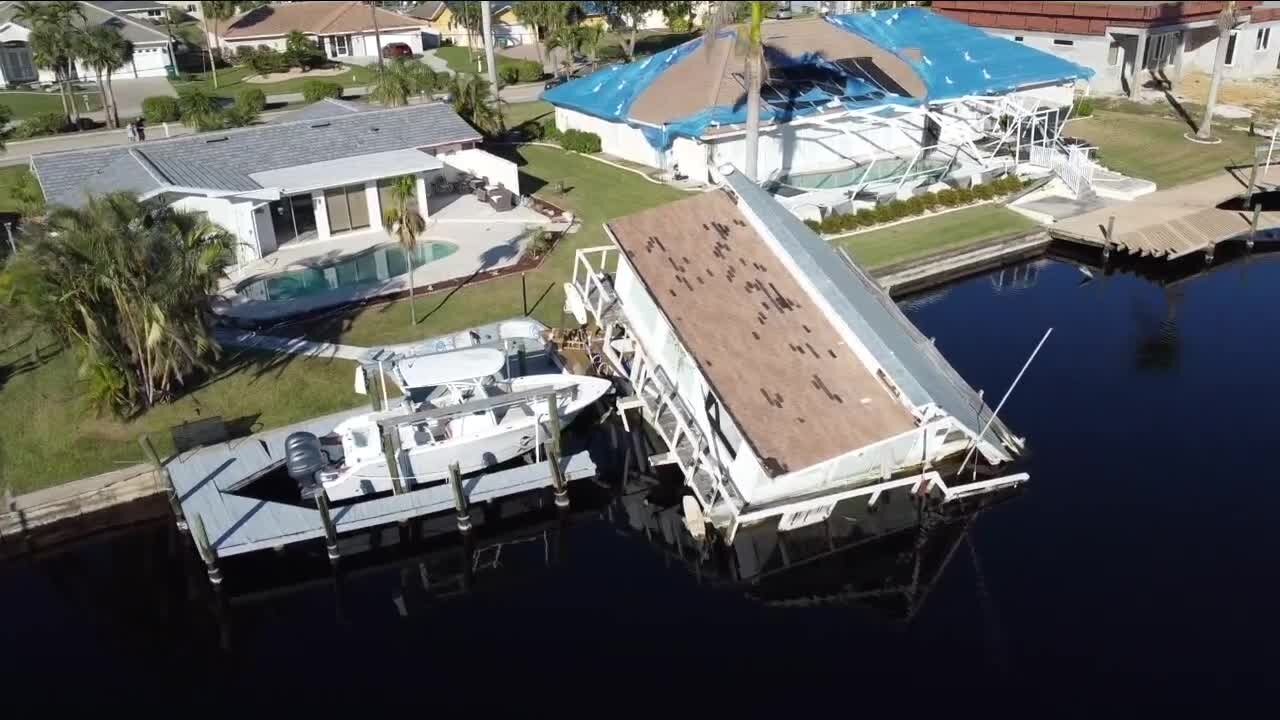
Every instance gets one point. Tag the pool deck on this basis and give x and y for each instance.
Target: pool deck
(487, 241)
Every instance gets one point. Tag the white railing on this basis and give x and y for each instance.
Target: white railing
(1070, 163)
(591, 269)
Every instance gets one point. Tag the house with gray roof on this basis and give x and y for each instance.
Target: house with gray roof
(152, 47)
(326, 172)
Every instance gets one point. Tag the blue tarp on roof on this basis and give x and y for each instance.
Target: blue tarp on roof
(957, 59)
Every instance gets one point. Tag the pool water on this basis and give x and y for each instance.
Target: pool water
(376, 265)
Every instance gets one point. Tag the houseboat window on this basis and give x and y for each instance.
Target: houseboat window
(1231, 50)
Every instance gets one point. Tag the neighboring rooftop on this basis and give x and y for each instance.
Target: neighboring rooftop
(225, 161)
(131, 29)
(427, 10)
(127, 5)
(795, 391)
(1093, 18)
(324, 109)
(890, 57)
(315, 18)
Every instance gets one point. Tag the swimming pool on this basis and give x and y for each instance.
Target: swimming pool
(376, 265)
(883, 169)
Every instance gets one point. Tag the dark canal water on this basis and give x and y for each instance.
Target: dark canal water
(1136, 570)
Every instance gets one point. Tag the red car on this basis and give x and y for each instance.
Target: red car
(396, 50)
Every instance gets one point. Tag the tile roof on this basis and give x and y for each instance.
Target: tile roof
(315, 18)
(325, 109)
(131, 29)
(123, 5)
(225, 160)
(428, 10)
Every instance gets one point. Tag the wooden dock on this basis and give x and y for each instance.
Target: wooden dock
(1174, 223)
(238, 524)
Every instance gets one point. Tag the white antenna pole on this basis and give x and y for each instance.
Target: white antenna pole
(1008, 392)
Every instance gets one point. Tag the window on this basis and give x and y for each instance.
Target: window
(1017, 38)
(1113, 53)
(1063, 41)
(1263, 40)
(1231, 50)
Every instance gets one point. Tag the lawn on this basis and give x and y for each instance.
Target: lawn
(1154, 148)
(593, 191)
(26, 104)
(461, 60)
(232, 80)
(8, 176)
(916, 239)
(48, 436)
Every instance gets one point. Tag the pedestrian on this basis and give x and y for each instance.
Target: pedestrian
(133, 132)
(142, 129)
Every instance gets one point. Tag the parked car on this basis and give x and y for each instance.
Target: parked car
(396, 50)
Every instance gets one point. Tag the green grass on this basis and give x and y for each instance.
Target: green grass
(516, 113)
(460, 59)
(49, 436)
(8, 176)
(232, 80)
(917, 239)
(594, 192)
(26, 104)
(1154, 148)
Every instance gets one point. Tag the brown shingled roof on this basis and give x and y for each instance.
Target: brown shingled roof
(685, 88)
(316, 18)
(797, 394)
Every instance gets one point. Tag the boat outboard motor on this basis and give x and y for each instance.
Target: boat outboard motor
(303, 459)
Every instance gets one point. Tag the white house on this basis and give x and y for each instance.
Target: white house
(871, 104)
(1129, 45)
(152, 50)
(341, 29)
(319, 174)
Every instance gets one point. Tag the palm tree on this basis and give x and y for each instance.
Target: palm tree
(567, 38)
(395, 83)
(53, 43)
(406, 225)
(199, 109)
(103, 49)
(469, 14)
(127, 285)
(216, 11)
(544, 18)
(1226, 21)
(749, 47)
(471, 100)
(591, 37)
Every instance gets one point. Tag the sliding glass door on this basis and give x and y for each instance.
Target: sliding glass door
(347, 207)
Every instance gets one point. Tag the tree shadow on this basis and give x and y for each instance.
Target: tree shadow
(32, 360)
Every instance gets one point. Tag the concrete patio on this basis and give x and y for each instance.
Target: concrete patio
(487, 240)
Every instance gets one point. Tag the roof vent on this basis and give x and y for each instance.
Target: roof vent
(320, 125)
(224, 138)
(373, 129)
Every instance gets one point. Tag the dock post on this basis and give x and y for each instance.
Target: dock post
(207, 553)
(172, 494)
(553, 452)
(330, 531)
(391, 451)
(1106, 239)
(468, 551)
(459, 498)
(1253, 227)
(524, 295)
(371, 388)
(1253, 181)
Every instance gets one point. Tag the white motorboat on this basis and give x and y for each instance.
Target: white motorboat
(456, 408)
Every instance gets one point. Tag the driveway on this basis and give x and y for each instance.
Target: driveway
(132, 91)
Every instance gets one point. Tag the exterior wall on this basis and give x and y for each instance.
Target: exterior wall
(275, 43)
(1249, 62)
(616, 138)
(481, 164)
(362, 44)
(1092, 51)
(690, 158)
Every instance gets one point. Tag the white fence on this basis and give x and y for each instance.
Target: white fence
(1072, 164)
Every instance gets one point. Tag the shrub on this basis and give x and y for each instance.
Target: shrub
(984, 191)
(45, 123)
(866, 217)
(314, 90)
(267, 62)
(929, 201)
(243, 54)
(160, 109)
(814, 225)
(301, 52)
(446, 42)
(238, 116)
(1083, 107)
(525, 70)
(580, 141)
(549, 130)
(947, 197)
(540, 243)
(964, 195)
(830, 224)
(252, 99)
(509, 74)
(915, 205)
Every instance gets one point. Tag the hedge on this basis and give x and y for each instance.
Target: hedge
(313, 90)
(917, 205)
(160, 109)
(526, 70)
(252, 99)
(580, 141)
(45, 123)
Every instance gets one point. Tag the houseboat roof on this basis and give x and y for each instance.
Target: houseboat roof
(906, 57)
(227, 161)
(793, 387)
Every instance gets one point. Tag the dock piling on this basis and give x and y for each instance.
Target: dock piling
(553, 452)
(330, 532)
(1253, 181)
(459, 498)
(206, 551)
(391, 449)
(1253, 227)
(163, 472)
(1107, 237)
